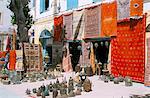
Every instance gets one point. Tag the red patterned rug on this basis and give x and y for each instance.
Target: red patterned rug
(128, 49)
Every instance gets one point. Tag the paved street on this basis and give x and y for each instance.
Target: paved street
(100, 89)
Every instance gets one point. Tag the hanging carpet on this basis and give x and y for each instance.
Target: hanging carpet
(78, 24)
(123, 9)
(12, 60)
(92, 22)
(128, 49)
(58, 29)
(147, 67)
(68, 26)
(108, 19)
(136, 8)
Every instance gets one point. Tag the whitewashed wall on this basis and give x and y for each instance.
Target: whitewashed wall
(84, 2)
(6, 16)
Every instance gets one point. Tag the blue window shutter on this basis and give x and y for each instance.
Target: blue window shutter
(96, 1)
(42, 3)
(72, 4)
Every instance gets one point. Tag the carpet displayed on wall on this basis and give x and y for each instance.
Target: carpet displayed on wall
(136, 8)
(86, 53)
(68, 21)
(128, 49)
(92, 59)
(2, 54)
(78, 24)
(147, 67)
(12, 60)
(58, 28)
(123, 9)
(19, 60)
(66, 62)
(108, 19)
(92, 22)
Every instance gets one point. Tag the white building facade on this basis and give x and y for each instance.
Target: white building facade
(5, 23)
(44, 12)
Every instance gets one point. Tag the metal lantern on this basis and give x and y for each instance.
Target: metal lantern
(88, 48)
(70, 47)
(106, 44)
(96, 45)
(102, 43)
(79, 47)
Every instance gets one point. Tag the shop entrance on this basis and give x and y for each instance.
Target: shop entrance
(46, 42)
(49, 51)
(101, 52)
(75, 51)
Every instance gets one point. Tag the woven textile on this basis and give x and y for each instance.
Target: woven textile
(86, 53)
(136, 8)
(123, 9)
(92, 59)
(92, 22)
(58, 28)
(128, 50)
(78, 24)
(2, 54)
(19, 60)
(8, 45)
(109, 19)
(67, 66)
(12, 60)
(68, 26)
(147, 67)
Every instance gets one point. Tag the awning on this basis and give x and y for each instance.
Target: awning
(97, 39)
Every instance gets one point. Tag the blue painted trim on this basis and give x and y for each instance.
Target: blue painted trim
(71, 4)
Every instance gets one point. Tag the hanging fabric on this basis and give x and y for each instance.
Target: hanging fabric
(12, 60)
(109, 19)
(92, 59)
(68, 23)
(128, 49)
(123, 9)
(147, 67)
(92, 22)
(2, 54)
(86, 52)
(58, 28)
(66, 63)
(8, 45)
(136, 8)
(78, 24)
(19, 60)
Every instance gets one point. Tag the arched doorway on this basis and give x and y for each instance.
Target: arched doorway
(46, 40)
